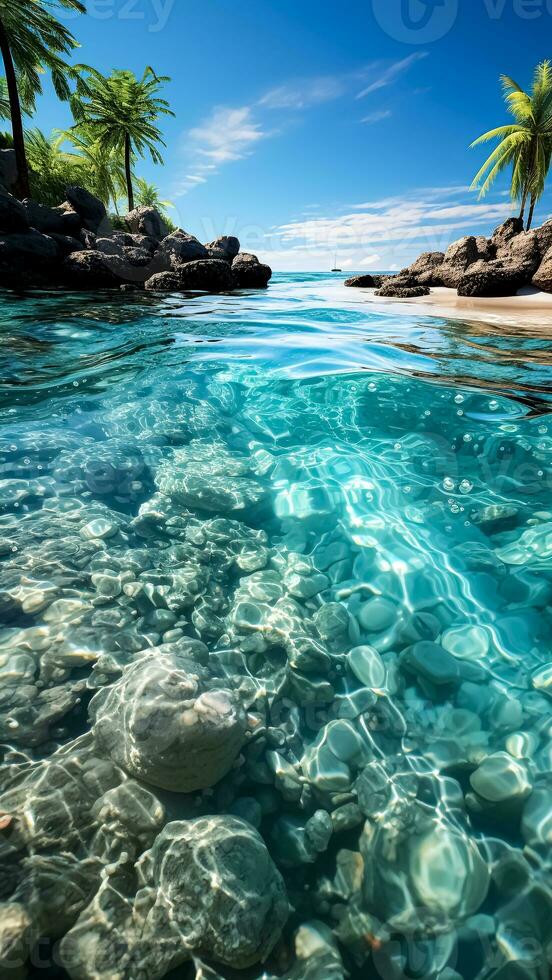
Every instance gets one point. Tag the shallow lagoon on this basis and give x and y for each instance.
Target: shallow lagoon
(279, 564)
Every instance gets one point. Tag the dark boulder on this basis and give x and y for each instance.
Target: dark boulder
(143, 241)
(543, 276)
(28, 259)
(179, 248)
(362, 282)
(90, 209)
(164, 282)
(109, 246)
(208, 275)
(147, 221)
(57, 221)
(495, 278)
(89, 270)
(228, 245)
(66, 244)
(395, 290)
(131, 265)
(458, 257)
(124, 238)
(249, 273)
(13, 217)
(506, 231)
(8, 170)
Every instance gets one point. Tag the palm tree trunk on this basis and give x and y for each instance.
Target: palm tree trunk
(531, 212)
(22, 187)
(523, 204)
(128, 172)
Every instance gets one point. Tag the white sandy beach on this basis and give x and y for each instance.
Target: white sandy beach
(529, 308)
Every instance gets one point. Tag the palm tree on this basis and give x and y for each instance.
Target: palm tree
(122, 111)
(106, 175)
(525, 145)
(148, 195)
(31, 40)
(4, 100)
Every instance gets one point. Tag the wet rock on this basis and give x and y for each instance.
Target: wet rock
(249, 273)
(164, 282)
(165, 722)
(89, 270)
(207, 886)
(147, 221)
(208, 275)
(364, 282)
(397, 290)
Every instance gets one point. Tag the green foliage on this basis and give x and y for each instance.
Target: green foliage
(526, 144)
(122, 111)
(4, 99)
(104, 169)
(148, 196)
(51, 168)
(39, 42)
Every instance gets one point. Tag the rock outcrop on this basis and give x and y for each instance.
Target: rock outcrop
(147, 221)
(476, 266)
(74, 246)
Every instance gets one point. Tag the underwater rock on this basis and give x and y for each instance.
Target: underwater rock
(206, 887)
(367, 665)
(421, 871)
(207, 477)
(167, 723)
(501, 780)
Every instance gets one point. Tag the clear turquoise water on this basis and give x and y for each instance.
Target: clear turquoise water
(405, 464)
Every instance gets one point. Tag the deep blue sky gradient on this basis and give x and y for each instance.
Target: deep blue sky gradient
(306, 152)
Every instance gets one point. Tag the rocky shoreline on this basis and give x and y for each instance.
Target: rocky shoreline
(74, 247)
(476, 267)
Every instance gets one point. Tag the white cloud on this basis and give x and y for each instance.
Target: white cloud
(227, 134)
(388, 74)
(304, 93)
(428, 220)
(377, 116)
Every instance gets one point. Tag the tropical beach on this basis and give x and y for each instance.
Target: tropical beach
(275, 491)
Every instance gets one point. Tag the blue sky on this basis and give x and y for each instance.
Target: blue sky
(309, 127)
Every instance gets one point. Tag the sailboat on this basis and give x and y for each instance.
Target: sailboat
(335, 269)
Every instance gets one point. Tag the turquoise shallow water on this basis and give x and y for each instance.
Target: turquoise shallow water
(337, 519)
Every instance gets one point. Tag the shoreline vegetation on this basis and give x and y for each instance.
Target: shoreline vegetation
(56, 194)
